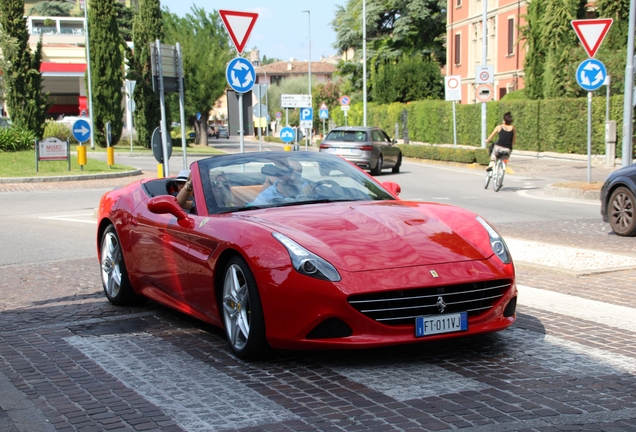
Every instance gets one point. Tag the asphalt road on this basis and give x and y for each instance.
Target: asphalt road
(70, 361)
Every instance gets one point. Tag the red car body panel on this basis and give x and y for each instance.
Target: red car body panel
(374, 245)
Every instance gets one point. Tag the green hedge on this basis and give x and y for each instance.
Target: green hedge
(552, 125)
(449, 154)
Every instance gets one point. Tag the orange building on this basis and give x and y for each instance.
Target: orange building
(505, 48)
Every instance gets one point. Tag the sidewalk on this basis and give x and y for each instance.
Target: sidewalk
(567, 173)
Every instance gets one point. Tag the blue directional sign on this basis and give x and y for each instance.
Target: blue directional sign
(306, 114)
(591, 74)
(323, 114)
(81, 130)
(287, 134)
(240, 75)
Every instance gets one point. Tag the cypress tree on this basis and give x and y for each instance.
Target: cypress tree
(107, 55)
(147, 28)
(26, 104)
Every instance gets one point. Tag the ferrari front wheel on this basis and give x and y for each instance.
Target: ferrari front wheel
(115, 280)
(242, 311)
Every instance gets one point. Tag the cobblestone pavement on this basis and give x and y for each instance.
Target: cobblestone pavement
(70, 361)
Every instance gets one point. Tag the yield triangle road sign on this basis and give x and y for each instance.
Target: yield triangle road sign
(239, 25)
(591, 32)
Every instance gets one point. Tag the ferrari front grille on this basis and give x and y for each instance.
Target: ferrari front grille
(403, 306)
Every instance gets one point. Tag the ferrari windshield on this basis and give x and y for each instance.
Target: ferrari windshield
(270, 179)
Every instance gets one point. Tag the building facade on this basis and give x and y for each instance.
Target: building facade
(63, 56)
(505, 47)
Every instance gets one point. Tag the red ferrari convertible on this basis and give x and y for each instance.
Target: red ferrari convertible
(302, 250)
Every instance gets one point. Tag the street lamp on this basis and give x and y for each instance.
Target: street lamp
(309, 137)
(88, 65)
(364, 62)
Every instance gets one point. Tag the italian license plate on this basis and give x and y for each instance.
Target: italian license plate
(438, 324)
(344, 151)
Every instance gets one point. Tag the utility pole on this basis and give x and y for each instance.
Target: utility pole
(309, 137)
(364, 62)
(628, 105)
(88, 65)
(484, 59)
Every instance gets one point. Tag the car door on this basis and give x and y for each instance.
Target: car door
(161, 250)
(380, 141)
(393, 149)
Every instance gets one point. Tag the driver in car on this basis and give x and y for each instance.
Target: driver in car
(287, 185)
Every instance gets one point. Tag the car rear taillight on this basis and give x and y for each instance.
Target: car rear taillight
(365, 147)
(325, 146)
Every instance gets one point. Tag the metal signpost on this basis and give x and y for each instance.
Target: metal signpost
(288, 135)
(81, 130)
(484, 74)
(130, 105)
(240, 73)
(453, 92)
(324, 115)
(167, 73)
(591, 73)
(260, 111)
(306, 122)
(344, 106)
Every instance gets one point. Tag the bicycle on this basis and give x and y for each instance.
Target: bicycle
(498, 172)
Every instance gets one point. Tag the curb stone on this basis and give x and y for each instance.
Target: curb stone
(574, 193)
(70, 177)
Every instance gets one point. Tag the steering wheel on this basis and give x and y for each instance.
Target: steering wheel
(329, 189)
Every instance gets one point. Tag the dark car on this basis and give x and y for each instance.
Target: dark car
(368, 147)
(222, 132)
(617, 200)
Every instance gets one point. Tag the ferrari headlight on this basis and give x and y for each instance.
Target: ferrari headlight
(308, 263)
(497, 243)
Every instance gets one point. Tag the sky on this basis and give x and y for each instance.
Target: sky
(281, 30)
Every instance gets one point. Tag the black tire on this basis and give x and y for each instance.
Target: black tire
(378, 166)
(242, 312)
(488, 177)
(620, 211)
(396, 168)
(115, 280)
(499, 172)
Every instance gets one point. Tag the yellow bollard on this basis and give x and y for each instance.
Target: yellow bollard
(110, 156)
(287, 148)
(81, 155)
(160, 170)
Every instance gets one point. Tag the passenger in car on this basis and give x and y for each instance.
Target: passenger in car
(184, 196)
(286, 183)
(221, 189)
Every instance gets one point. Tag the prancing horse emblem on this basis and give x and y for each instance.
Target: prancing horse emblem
(440, 304)
(434, 273)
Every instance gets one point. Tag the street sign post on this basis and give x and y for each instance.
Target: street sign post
(295, 101)
(591, 33)
(239, 25)
(81, 130)
(591, 73)
(306, 118)
(287, 134)
(240, 76)
(453, 92)
(484, 74)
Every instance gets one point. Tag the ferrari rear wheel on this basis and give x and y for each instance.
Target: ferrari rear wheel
(242, 311)
(115, 280)
(621, 208)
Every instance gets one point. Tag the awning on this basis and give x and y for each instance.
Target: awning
(52, 69)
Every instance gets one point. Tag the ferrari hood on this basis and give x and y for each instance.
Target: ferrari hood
(379, 235)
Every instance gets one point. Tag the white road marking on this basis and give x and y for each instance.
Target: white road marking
(197, 396)
(563, 257)
(621, 317)
(72, 218)
(525, 194)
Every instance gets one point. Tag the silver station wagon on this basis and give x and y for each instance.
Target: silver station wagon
(368, 147)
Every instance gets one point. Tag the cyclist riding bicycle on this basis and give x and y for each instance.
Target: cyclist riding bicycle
(503, 146)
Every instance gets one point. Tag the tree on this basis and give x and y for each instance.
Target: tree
(395, 28)
(26, 104)
(147, 28)
(409, 79)
(52, 8)
(107, 74)
(206, 50)
(125, 16)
